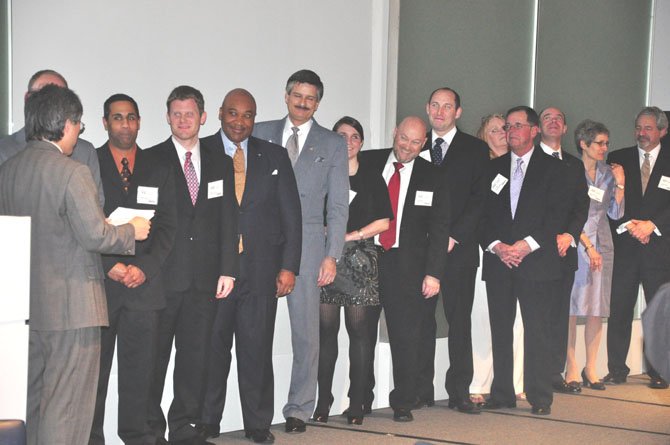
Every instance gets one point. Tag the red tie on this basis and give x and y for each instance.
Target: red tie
(387, 238)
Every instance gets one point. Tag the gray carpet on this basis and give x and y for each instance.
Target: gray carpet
(622, 414)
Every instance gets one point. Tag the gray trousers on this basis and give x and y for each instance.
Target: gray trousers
(63, 371)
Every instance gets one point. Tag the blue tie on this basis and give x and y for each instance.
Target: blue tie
(515, 186)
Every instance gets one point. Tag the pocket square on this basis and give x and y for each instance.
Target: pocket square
(275, 172)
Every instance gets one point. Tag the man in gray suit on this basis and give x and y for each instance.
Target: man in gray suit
(83, 152)
(319, 159)
(67, 297)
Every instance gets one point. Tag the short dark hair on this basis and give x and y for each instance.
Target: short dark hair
(587, 131)
(348, 120)
(531, 115)
(457, 97)
(48, 109)
(305, 76)
(118, 97)
(41, 73)
(185, 92)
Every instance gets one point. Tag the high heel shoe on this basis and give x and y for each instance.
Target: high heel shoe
(355, 420)
(321, 415)
(599, 385)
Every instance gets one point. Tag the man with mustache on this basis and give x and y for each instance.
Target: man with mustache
(641, 243)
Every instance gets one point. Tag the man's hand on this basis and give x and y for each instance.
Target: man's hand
(327, 271)
(118, 272)
(224, 287)
(563, 242)
(521, 248)
(595, 259)
(507, 255)
(430, 287)
(452, 244)
(141, 226)
(641, 230)
(134, 278)
(285, 282)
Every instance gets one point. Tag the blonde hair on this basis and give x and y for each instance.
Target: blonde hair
(481, 133)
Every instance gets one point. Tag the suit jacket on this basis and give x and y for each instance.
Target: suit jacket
(269, 218)
(150, 254)
(321, 171)
(654, 206)
(68, 233)
(205, 245)
(541, 213)
(83, 152)
(575, 191)
(465, 167)
(424, 230)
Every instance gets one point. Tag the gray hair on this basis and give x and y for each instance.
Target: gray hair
(47, 111)
(587, 131)
(305, 76)
(656, 113)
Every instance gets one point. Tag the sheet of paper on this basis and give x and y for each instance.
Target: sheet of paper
(121, 215)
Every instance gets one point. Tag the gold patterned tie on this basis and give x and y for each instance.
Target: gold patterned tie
(645, 171)
(240, 180)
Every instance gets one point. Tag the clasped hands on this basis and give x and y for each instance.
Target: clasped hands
(641, 230)
(130, 276)
(512, 255)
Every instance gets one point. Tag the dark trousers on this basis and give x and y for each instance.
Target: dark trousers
(136, 335)
(187, 319)
(403, 318)
(250, 319)
(558, 334)
(534, 299)
(625, 284)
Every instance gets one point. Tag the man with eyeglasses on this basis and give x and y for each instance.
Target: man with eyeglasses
(524, 211)
(463, 160)
(83, 152)
(132, 178)
(575, 191)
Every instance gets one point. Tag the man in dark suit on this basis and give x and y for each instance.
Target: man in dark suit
(67, 297)
(575, 192)
(462, 159)
(201, 266)
(414, 251)
(641, 243)
(270, 230)
(132, 178)
(523, 213)
(319, 159)
(83, 150)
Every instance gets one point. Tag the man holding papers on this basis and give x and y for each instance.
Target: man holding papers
(132, 179)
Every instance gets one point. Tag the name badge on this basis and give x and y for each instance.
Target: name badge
(423, 198)
(147, 195)
(596, 194)
(664, 183)
(426, 155)
(498, 183)
(215, 189)
(352, 195)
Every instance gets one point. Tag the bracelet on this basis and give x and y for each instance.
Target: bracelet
(360, 235)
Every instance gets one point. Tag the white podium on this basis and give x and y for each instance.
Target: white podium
(14, 310)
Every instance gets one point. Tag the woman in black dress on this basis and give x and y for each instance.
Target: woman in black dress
(356, 284)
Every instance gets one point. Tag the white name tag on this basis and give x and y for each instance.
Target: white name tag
(498, 183)
(664, 183)
(426, 155)
(596, 194)
(352, 195)
(215, 189)
(423, 198)
(147, 195)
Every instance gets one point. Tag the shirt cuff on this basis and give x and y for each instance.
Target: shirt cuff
(532, 243)
(492, 245)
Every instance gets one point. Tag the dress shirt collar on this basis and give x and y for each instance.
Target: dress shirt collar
(653, 155)
(550, 151)
(303, 131)
(526, 160)
(230, 148)
(54, 144)
(195, 155)
(448, 137)
(118, 156)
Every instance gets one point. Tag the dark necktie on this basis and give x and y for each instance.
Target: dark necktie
(125, 174)
(436, 151)
(191, 178)
(387, 238)
(556, 155)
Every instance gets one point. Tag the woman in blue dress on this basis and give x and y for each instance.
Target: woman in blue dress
(593, 280)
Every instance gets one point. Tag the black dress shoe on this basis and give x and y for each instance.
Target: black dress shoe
(355, 420)
(207, 430)
(658, 383)
(320, 417)
(295, 425)
(464, 406)
(424, 403)
(541, 410)
(599, 385)
(492, 404)
(566, 388)
(196, 440)
(260, 436)
(402, 415)
(614, 379)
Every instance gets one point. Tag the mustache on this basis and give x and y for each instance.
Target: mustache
(302, 107)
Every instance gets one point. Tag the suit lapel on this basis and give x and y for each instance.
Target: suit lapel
(255, 161)
(656, 173)
(309, 152)
(530, 179)
(633, 177)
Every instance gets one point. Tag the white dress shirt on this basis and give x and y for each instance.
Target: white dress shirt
(303, 131)
(405, 175)
(195, 156)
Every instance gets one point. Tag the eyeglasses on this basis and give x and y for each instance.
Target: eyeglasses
(602, 143)
(82, 127)
(517, 126)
